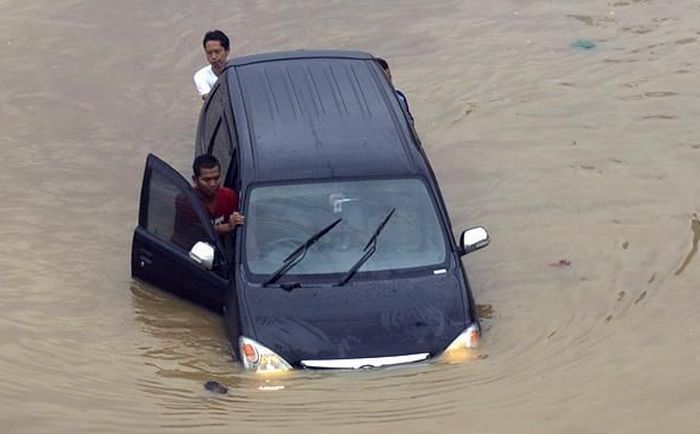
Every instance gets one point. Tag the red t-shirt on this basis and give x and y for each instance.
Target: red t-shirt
(225, 203)
(188, 229)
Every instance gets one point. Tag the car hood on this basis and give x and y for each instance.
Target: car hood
(362, 319)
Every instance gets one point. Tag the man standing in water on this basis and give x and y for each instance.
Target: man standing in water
(216, 47)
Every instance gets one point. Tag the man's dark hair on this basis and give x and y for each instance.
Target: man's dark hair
(383, 63)
(204, 161)
(216, 35)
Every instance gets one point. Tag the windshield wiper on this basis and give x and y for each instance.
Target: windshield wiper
(298, 254)
(369, 249)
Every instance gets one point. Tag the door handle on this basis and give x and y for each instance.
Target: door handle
(145, 258)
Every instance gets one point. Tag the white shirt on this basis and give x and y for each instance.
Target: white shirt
(205, 79)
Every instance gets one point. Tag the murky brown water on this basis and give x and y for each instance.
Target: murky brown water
(584, 156)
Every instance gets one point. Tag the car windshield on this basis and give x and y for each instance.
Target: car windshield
(280, 218)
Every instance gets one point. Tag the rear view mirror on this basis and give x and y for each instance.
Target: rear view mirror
(473, 239)
(203, 254)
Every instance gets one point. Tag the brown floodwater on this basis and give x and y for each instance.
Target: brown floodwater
(584, 164)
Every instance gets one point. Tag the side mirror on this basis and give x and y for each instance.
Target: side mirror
(203, 254)
(473, 239)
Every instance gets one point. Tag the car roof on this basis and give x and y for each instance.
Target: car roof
(318, 114)
(299, 54)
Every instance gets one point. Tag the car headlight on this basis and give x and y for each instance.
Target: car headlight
(469, 338)
(461, 348)
(259, 358)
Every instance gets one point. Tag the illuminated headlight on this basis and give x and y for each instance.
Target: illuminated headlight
(460, 348)
(259, 358)
(467, 339)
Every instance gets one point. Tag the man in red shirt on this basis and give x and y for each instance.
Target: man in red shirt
(221, 204)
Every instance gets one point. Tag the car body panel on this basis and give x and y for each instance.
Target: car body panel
(367, 317)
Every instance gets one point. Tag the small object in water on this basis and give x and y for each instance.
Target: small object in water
(216, 387)
(561, 263)
(585, 44)
(484, 310)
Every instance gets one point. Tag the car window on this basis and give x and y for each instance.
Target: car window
(281, 217)
(221, 145)
(170, 215)
(212, 115)
(219, 128)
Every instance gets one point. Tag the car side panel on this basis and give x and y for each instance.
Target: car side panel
(159, 263)
(156, 258)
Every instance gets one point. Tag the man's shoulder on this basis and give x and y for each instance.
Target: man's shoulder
(203, 72)
(227, 199)
(204, 79)
(227, 192)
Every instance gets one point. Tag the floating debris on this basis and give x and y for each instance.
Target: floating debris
(695, 228)
(561, 263)
(216, 387)
(469, 108)
(484, 310)
(584, 44)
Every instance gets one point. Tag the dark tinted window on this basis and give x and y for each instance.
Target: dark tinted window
(221, 146)
(219, 128)
(212, 119)
(170, 215)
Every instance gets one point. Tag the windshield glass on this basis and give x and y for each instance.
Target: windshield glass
(280, 218)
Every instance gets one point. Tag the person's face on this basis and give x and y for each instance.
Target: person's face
(216, 54)
(208, 181)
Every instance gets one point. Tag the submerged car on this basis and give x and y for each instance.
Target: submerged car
(347, 258)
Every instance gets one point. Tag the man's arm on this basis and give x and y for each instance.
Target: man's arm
(234, 220)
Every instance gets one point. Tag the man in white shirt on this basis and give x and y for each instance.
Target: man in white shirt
(216, 47)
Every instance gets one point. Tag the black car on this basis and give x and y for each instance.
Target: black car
(347, 257)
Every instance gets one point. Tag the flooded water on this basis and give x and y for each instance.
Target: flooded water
(584, 164)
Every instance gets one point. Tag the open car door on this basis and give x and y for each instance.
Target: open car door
(168, 248)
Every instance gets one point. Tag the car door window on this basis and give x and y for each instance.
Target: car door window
(212, 117)
(219, 128)
(232, 143)
(171, 220)
(170, 211)
(220, 146)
